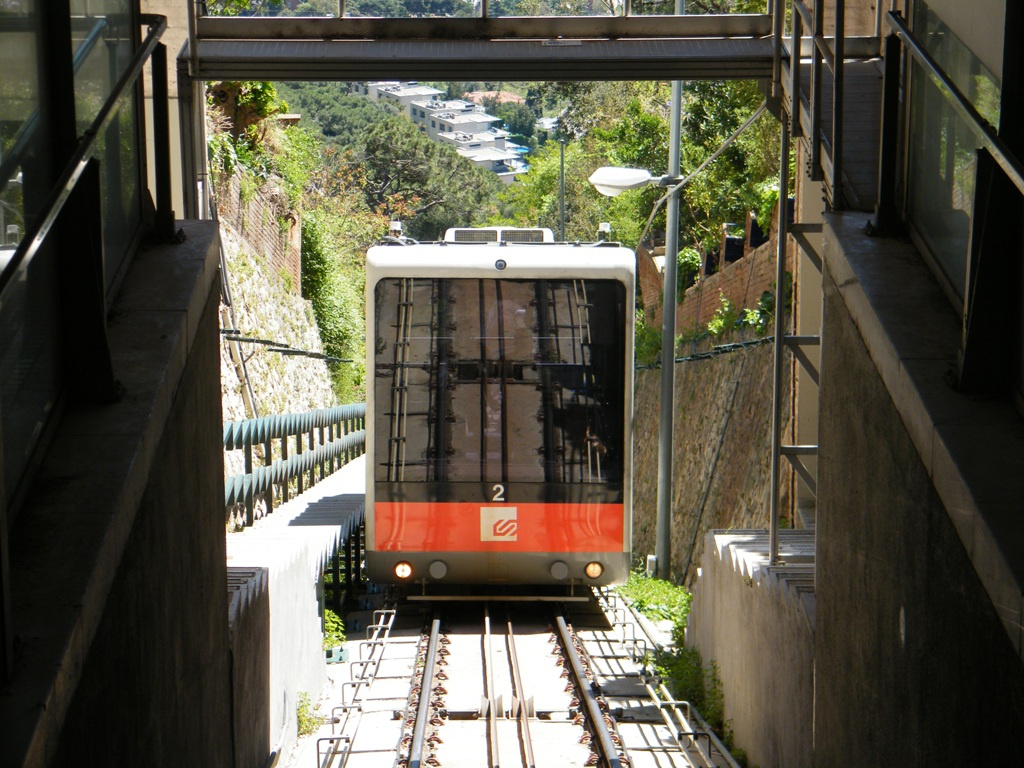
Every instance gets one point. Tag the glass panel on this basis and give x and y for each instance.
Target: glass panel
(499, 381)
(29, 361)
(19, 119)
(104, 38)
(940, 185)
(29, 348)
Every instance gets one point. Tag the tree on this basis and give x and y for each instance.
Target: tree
(734, 183)
(519, 118)
(426, 184)
(380, 8)
(340, 116)
(535, 198)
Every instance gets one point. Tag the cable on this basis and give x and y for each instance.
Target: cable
(714, 156)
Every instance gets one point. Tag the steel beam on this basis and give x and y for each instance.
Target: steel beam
(483, 29)
(555, 60)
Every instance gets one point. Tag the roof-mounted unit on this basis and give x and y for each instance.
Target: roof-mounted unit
(499, 235)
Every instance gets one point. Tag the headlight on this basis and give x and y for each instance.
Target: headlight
(593, 570)
(403, 570)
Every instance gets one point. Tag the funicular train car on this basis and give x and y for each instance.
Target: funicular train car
(499, 407)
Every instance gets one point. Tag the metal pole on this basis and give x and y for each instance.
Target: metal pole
(663, 529)
(780, 347)
(561, 188)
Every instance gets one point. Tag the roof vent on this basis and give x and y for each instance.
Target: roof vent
(499, 234)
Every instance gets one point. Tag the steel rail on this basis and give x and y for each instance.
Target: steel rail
(595, 717)
(346, 718)
(260, 479)
(709, 26)
(423, 706)
(675, 714)
(523, 714)
(238, 433)
(981, 128)
(493, 755)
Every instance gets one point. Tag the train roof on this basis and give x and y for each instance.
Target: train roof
(503, 258)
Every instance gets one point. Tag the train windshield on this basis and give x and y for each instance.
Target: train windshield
(484, 381)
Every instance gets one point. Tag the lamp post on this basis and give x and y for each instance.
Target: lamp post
(561, 188)
(611, 182)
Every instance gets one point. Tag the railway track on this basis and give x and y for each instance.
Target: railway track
(497, 687)
(500, 684)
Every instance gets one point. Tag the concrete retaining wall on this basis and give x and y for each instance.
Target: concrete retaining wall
(275, 611)
(756, 623)
(249, 623)
(913, 665)
(155, 686)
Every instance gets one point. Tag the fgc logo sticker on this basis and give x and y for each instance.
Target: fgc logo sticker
(498, 524)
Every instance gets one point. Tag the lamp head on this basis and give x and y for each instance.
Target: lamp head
(611, 181)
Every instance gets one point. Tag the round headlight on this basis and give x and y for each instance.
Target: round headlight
(403, 570)
(593, 570)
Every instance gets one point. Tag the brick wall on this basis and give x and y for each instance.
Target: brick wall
(742, 282)
(650, 281)
(259, 218)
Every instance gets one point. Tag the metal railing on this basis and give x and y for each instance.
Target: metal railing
(986, 135)
(322, 442)
(77, 181)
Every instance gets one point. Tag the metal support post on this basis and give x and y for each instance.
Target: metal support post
(780, 349)
(663, 530)
(886, 214)
(164, 223)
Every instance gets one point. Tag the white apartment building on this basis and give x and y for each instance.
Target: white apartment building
(490, 150)
(460, 123)
(400, 94)
(436, 117)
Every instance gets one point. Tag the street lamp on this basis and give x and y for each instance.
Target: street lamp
(561, 188)
(612, 182)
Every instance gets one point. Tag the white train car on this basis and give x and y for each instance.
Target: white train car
(499, 410)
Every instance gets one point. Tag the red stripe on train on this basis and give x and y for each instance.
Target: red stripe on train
(475, 527)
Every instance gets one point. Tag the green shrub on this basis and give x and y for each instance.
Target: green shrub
(658, 599)
(306, 718)
(335, 289)
(725, 318)
(334, 629)
(647, 344)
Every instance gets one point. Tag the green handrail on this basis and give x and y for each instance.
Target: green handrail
(324, 441)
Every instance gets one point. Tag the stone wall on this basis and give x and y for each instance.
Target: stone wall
(260, 219)
(722, 455)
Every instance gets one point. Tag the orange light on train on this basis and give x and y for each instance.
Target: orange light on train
(593, 570)
(403, 570)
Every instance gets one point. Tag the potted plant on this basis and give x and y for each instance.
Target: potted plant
(334, 638)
